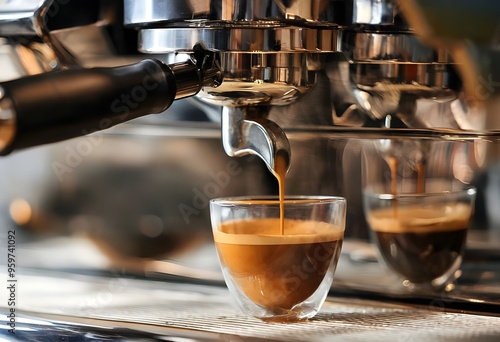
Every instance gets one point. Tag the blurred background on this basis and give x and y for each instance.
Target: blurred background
(140, 191)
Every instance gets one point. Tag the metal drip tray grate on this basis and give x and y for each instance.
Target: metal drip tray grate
(195, 308)
(360, 321)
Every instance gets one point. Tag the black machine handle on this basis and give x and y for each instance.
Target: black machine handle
(65, 104)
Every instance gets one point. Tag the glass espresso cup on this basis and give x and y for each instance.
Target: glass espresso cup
(273, 272)
(421, 236)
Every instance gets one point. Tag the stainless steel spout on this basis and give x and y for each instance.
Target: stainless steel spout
(245, 130)
(269, 56)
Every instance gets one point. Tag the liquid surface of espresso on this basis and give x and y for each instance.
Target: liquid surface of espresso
(421, 243)
(278, 271)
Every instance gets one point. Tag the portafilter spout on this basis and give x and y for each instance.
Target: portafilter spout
(253, 84)
(246, 130)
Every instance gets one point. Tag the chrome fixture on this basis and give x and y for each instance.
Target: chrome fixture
(273, 51)
(368, 54)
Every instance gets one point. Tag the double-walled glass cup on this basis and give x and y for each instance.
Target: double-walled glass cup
(421, 236)
(274, 272)
(418, 206)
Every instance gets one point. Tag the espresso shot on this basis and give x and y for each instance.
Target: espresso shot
(423, 237)
(424, 248)
(279, 270)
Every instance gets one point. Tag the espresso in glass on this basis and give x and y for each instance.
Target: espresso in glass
(273, 270)
(421, 242)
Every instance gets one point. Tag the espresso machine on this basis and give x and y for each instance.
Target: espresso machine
(153, 88)
(310, 80)
(359, 69)
(270, 53)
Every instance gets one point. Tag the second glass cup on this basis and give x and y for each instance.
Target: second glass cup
(276, 274)
(418, 206)
(421, 236)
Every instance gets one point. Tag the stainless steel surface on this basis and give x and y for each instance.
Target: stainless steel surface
(21, 17)
(262, 79)
(301, 13)
(389, 46)
(279, 47)
(22, 25)
(128, 303)
(389, 70)
(474, 48)
(7, 121)
(374, 11)
(246, 38)
(203, 69)
(254, 75)
(379, 90)
(274, 29)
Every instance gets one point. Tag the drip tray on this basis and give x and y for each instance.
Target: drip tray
(154, 310)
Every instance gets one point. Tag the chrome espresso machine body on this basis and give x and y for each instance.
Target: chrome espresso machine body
(310, 80)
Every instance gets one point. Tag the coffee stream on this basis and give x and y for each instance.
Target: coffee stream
(280, 173)
(393, 165)
(421, 243)
(275, 270)
(421, 177)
